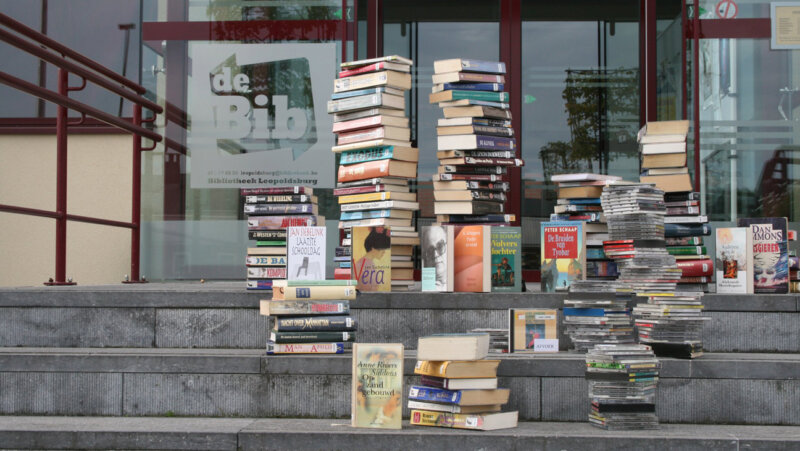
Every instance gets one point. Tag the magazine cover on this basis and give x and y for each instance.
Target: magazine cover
(563, 254)
(372, 258)
(770, 254)
(377, 386)
(305, 252)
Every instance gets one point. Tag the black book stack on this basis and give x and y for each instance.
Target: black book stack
(622, 386)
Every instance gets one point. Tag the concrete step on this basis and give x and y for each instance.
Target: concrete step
(223, 315)
(754, 389)
(304, 434)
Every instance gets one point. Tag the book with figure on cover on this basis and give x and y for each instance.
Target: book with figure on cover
(506, 266)
(770, 254)
(734, 260)
(437, 258)
(563, 255)
(372, 258)
(305, 252)
(526, 326)
(377, 385)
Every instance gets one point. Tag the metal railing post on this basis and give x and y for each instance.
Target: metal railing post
(61, 185)
(136, 199)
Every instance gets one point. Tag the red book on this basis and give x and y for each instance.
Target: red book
(341, 274)
(696, 268)
(277, 190)
(378, 168)
(375, 67)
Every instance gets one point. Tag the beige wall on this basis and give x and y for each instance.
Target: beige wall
(99, 185)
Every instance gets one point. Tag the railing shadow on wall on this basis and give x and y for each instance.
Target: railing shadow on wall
(69, 61)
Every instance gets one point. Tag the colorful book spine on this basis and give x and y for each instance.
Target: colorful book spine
(422, 393)
(366, 214)
(311, 337)
(490, 96)
(360, 156)
(305, 348)
(474, 87)
(259, 284)
(263, 260)
(266, 273)
(278, 199)
(316, 324)
(279, 222)
(276, 190)
(360, 190)
(267, 235)
(278, 308)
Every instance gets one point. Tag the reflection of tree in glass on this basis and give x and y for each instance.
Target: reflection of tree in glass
(601, 105)
(220, 10)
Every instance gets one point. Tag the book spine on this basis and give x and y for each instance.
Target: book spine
(355, 103)
(357, 215)
(316, 324)
(307, 307)
(266, 273)
(680, 230)
(360, 156)
(367, 170)
(259, 285)
(301, 293)
(360, 81)
(387, 204)
(686, 250)
(471, 177)
(361, 135)
(483, 66)
(472, 170)
(489, 96)
(435, 382)
(267, 235)
(684, 241)
(359, 190)
(473, 87)
(311, 337)
(421, 393)
(481, 78)
(278, 209)
(306, 348)
(513, 162)
(445, 419)
(253, 260)
(365, 122)
(279, 222)
(694, 268)
(275, 190)
(493, 131)
(361, 70)
(366, 197)
(278, 199)
(683, 211)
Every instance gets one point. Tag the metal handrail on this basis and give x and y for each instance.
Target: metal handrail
(89, 70)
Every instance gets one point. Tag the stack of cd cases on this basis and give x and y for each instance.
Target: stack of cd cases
(622, 386)
(596, 311)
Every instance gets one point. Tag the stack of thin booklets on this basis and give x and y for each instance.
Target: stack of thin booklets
(269, 212)
(622, 386)
(663, 155)
(310, 317)
(458, 387)
(579, 200)
(596, 312)
(672, 324)
(476, 144)
(498, 339)
(377, 160)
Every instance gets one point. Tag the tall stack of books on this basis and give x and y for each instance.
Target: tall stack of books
(458, 387)
(376, 157)
(269, 212)
(310, 317)
(663, 157)
(579, 200)
(475, 143)
(622, 386)
(596, 312)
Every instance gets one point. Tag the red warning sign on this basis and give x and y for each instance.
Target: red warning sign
(727, 9)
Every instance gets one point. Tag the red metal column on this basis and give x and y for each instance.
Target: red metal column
(374, 28)
(696, 92)
(511, 54)
(136, 202)
(684, 81)
(61, 185)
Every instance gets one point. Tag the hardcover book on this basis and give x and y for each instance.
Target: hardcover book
(304, 348)
(459, 397)
(437, 258)
(770, 254)
(454, 369)
(441, 347)
(526, 326)
(372, 258)
(282, 293)
(333, 323)
(506, 266)
(472, 256)
(563, 255)
(294, 308)
(305, 252)
(482, 422)
(377, 386)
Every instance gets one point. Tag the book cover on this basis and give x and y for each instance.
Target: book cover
(437, 258)
(563, 254)
(734, 260)
(372, 258)
(377, 385)
(305, 253)
(472, 258)
(506, 259)
(770, 254)
(526, 326)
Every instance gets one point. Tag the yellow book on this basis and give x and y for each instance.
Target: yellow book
(371, 197)
(457, 369)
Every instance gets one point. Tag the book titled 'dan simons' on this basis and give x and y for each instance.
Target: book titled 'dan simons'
(770, 254)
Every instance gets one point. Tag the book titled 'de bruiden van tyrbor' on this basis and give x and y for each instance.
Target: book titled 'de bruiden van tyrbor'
(563, 254)
(377, 386)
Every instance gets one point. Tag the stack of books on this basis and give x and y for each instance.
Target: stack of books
(377, 159)
(622, 386)
(663, 157)
(498, 339)
(458, 387)
(269, 212)
(343, 261)
(672, 324)
(579, 200)
(596, 312)
(476, 144)
(310, 317)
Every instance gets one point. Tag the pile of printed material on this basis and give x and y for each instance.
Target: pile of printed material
(622, 386)
(596, 312)
(377, 160)
(670, 322)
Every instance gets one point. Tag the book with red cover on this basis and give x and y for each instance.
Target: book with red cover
(696, 268)
(378, 168)
(277, 190)
(472, 258)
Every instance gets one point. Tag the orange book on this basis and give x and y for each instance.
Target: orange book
(378, 168)
(472, 258)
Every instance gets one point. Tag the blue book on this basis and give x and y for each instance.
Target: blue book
(346, 264)
(588, 201)
(371, 154)
(421, 393)
(570, 311)
(474, 86)
(364, 214)
(465, 102)
(468, 65)
(678, 230)
(364, 92)
(259, 284)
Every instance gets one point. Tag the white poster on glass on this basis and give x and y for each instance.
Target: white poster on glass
(257, 115)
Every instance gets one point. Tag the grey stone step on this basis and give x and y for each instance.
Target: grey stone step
(308, 434)
(716, 388)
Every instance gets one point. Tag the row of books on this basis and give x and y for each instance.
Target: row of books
(310, 317)
(475, 142)
(376, 163)
(270, 212)
(471, 258)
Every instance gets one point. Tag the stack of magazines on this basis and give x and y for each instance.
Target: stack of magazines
(622, 386)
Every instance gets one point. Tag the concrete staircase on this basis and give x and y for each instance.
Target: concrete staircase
(127, 353)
